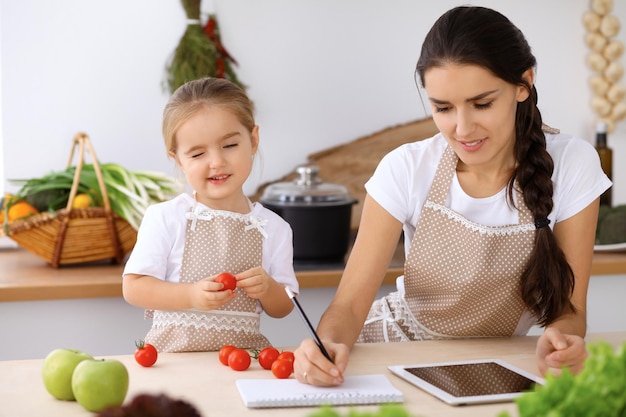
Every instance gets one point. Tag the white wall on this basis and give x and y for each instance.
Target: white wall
(321, 72)
(110, 326)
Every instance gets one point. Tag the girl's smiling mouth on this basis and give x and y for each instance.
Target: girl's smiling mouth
(219, 178)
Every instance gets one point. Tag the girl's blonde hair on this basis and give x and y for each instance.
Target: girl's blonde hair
(192, 96)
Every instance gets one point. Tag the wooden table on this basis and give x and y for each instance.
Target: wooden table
(25, 277)
(200, 379)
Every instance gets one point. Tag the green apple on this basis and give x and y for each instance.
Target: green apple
(57, 371)
(98, 384)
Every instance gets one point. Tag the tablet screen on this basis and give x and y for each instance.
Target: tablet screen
(468, 382)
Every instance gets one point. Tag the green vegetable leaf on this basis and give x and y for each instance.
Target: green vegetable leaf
(598, 390)
(130, 193)
(385, 410)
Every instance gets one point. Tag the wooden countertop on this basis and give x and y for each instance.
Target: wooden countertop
(26, 277)
(201, 380)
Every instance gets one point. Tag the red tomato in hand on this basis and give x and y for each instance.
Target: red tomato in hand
(227, 280)
(239, 360)
(146, 354)
(267, 356)
(282, 368)
(224, 353)
(287, 355)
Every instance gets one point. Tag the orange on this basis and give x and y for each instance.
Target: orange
(21, 210)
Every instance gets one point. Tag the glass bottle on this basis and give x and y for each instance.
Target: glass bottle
(606, 159)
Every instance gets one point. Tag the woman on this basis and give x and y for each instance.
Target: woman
(498, 213)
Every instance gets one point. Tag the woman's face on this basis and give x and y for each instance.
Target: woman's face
(475, 111)
(215, 152)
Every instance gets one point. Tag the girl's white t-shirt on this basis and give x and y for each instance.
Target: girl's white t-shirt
(161, 243)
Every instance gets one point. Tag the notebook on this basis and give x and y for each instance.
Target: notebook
(361, 389)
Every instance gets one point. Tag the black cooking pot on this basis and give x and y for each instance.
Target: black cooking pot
(319, 214)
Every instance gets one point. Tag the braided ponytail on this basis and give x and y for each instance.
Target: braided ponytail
(548, 280)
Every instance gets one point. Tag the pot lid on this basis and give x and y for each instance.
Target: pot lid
(307, 189)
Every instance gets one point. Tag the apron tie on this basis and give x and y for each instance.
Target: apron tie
(256, 223)
(386, 316)
(198, 213)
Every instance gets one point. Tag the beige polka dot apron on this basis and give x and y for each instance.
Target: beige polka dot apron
(215, 241)
(461, 279)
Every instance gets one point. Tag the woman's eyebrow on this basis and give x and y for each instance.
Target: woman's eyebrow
(476, 97)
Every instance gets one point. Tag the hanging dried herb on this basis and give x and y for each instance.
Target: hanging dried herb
(200, 52)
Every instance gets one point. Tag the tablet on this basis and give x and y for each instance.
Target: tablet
(469, 382)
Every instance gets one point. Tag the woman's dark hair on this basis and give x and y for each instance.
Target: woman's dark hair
(483, 37)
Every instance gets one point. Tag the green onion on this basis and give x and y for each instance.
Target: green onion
(130, 193)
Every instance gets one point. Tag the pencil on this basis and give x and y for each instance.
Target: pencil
(318, 341)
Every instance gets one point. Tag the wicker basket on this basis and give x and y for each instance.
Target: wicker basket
(75, 236)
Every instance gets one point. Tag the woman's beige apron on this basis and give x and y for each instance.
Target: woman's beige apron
(461, 279)
(215, 242)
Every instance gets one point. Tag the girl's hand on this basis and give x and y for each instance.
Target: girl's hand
(312, 367)
(556, 350)
(259, 286)
(206, 294)
(255, 282)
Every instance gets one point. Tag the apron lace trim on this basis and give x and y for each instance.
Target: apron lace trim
(252, 222)
(475, 227)
(238, 321)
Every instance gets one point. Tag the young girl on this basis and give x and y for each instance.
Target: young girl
(498, 213)
(183, 244)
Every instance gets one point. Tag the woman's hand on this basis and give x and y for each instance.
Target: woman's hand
(312, 367)
(556, 350)
(206, 294)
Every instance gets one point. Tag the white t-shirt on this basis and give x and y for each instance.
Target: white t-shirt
(161, 243)
(403, 179)
(404, 176)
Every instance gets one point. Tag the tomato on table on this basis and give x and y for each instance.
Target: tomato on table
(287, 355)
(239, 360)
(146, 354)
(267, 356)
(282, 368)
(224, 352)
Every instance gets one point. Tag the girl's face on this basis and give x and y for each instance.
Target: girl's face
(215, 152)
(475, 111)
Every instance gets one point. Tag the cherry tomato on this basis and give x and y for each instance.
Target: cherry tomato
(224, 352)
(287, 355)
(282, 368)
(239, 360)
(267, 356)
(146, 354)
(227, 280)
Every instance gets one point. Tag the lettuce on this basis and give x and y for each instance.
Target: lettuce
(385, 410)
(598, 390)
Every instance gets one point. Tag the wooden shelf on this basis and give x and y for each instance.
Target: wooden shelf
(25, 277)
